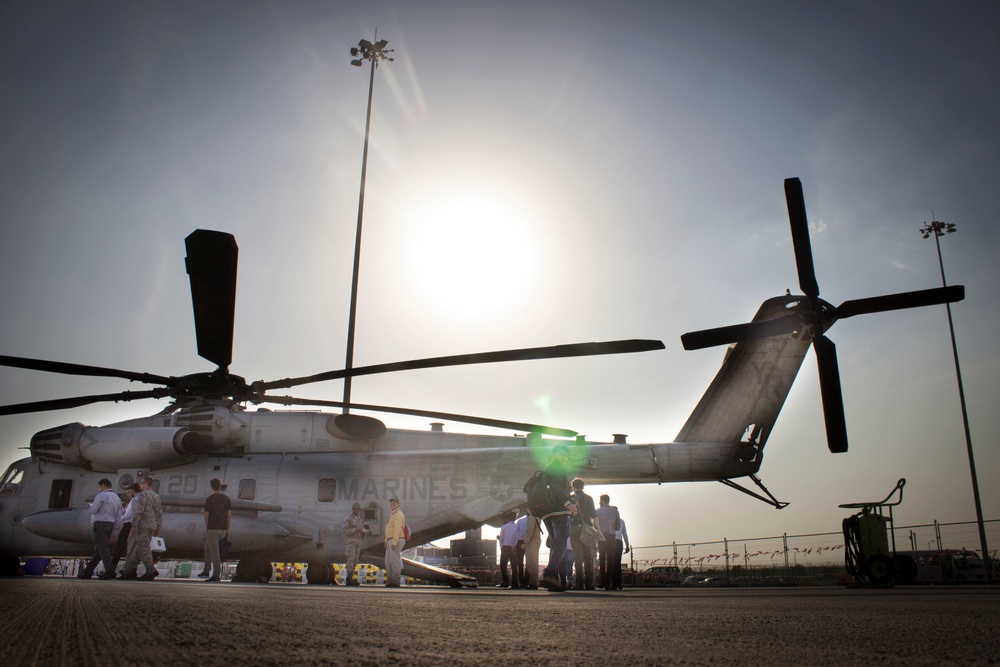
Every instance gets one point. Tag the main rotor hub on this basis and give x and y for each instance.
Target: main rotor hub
(211, 386)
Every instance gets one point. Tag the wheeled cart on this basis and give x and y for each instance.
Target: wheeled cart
(868, 555)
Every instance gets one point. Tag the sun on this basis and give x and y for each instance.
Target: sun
(472, 251)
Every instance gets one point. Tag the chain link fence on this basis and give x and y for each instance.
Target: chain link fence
(800, 559)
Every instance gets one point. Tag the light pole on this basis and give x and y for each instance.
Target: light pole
(937, 230)
(375, 53)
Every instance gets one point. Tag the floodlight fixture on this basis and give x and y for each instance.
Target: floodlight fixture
(937, 228)
(375, 53)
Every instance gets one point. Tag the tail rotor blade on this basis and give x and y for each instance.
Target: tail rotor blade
(735, 333)
(880, 304)
(211, 263)
(800, 237)
(832, 395)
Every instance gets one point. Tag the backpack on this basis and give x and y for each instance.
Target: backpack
(406, 533)
(542, 498)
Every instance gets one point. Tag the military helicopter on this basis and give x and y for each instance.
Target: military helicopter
(293, 475)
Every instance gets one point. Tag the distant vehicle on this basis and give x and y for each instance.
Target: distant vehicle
(938, 566)
(693, 580)
(661, 575)
(712, 581)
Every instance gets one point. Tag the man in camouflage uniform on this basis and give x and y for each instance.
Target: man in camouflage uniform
(353, 530)
(147, 521)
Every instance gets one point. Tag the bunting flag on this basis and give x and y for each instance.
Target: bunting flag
(736, 557)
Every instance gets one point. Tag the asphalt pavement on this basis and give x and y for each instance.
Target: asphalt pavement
(65, 621)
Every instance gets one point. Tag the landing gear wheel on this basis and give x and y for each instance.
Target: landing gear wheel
(879, 570)
(9, 565)
(253, 569)
(906, 569)
(318, 573)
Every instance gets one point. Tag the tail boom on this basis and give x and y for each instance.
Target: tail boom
(744, 399)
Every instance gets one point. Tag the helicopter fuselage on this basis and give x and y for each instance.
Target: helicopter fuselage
(290, 505)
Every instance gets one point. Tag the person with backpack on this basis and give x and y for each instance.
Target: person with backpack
(395, 539)
(549, 498)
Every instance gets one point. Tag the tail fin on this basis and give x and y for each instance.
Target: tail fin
(744, 399)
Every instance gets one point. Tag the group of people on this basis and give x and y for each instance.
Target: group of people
(585, 542)
(135, 518)
(354, 529)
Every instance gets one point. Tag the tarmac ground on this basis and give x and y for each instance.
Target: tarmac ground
(66, 621)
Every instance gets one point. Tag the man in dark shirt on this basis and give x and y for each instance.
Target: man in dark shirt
(608, 523)
(584, 546)
(556, 517)
(218, 515)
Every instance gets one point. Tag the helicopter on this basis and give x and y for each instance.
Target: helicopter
(293, 475)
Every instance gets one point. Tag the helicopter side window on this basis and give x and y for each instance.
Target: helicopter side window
(327, 492)
(373, 519)
(10, 485)
(248, 489)
(60, 493)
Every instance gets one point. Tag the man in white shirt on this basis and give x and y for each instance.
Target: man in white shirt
(520, 577)
(508, 540)
(104, 512)
(621, 538)
(126, 539)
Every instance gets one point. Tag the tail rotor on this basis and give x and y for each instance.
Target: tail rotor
(816, 316)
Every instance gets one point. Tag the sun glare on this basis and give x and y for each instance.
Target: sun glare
(471, 252)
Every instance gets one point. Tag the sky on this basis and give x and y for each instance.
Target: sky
(539, 173)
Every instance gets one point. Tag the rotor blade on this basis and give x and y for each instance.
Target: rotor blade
(553, 352)
(211, 262)
(75, 402)
(800, 237)
(467, 419)
(878, 304)
(735, 333)
(78, 369)
(833, 398)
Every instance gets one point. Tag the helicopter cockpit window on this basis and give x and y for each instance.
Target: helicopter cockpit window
(327, 492)
(10, 484)
(60, 493)
(248, 489)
